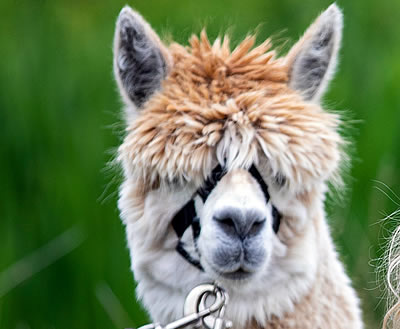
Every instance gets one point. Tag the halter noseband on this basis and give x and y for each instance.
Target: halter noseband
(187, 216)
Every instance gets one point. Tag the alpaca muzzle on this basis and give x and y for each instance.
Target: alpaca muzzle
(187, 216)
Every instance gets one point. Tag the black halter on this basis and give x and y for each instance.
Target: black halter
(187, 215)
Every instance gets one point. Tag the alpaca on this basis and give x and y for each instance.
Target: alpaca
(237, 143)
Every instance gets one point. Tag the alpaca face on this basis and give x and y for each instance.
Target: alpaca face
(190, 109)
(236, 228)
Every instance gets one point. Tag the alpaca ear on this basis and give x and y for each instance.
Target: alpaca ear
(312, 60)
(141, 61)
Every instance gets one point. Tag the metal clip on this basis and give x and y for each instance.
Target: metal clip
(217, 322)
(196, 311)
(199, 300)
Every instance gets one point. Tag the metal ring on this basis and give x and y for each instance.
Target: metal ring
(196, 302)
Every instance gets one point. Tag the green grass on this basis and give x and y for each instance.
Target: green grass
(60, 123)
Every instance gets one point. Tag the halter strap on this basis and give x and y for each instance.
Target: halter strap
(187, 216)
(208, 186)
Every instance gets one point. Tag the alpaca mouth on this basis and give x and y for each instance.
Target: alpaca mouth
(240, 274)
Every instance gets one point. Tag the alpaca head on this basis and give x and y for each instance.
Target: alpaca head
(192, 109)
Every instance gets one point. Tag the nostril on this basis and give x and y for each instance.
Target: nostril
(226, 223)
(239, 223)
(257, 227)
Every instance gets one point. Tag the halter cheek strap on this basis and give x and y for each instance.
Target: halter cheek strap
(183, 219)
(212, 181)
(187, 215)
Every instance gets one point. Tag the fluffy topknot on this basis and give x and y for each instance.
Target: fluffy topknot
(231, 107)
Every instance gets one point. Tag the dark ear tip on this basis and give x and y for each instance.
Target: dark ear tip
(130, 25)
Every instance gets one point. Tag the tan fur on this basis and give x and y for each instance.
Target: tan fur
(211, 90)
(328, 305)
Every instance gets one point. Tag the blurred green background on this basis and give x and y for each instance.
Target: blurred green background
(63, 256)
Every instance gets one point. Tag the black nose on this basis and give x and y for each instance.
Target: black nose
(240, 223)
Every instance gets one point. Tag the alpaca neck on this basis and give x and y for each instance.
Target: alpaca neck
(331, 302)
